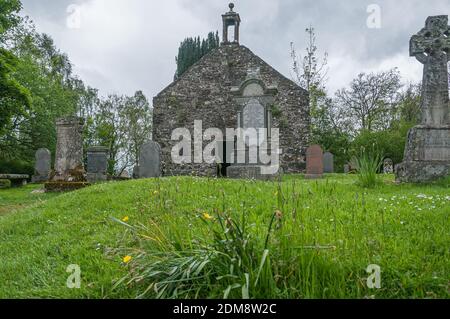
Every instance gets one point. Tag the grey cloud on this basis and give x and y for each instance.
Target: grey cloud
(125, 46)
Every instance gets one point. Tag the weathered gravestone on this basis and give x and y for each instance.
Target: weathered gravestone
(314, 162)
(328, 163)
(135, 173)
(42, 166)
(347, 168)
(69, 173)
(150, 160)
(125, 174)
(427, 153)
(97, 164)
(388, 166)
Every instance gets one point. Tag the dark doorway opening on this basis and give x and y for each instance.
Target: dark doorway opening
(222, 167)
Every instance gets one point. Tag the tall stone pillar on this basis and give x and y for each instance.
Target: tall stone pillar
(69, 150)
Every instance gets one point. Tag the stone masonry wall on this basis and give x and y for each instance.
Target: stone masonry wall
(204, 93)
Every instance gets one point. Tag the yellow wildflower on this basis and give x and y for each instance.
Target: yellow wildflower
(207, 216)
(125, 219)
(127, 259)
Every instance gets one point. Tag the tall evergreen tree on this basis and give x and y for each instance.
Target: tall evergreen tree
(193, 49)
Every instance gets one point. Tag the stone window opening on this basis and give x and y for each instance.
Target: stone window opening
(231, 31)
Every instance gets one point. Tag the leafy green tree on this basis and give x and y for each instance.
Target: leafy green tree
(8, 14)
(109, 128)
(370, 102)
(123, 124)
(309, 71)
(408, 104)
(138, 121)
(193, 49)
(55, 92)
(14, 98)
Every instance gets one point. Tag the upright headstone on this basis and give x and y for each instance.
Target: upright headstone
(347, 168)
(150, 160)
(388, 166)
(42, 166)
(314, 162)
(135, 174)
(97, 164)
(427, 153)
(125, 174)
(328, 163)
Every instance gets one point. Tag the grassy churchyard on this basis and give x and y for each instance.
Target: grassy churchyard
(191, 237)
(217, 179)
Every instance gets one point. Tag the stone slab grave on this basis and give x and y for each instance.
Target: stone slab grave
(42, 166)
(314, 162)
(97, 164)
(427, 153)
(388, 166)
(149, 161)
(328, 163)
(16, 179)
(69, 173)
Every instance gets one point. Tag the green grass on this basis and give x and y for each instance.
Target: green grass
(328, 232)
(16, 199)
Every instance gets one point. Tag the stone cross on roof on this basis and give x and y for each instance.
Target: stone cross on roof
(431, 47)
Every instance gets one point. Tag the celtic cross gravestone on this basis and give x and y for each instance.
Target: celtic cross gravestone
(427, 153)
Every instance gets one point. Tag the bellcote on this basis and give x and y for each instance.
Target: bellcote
(231, 19)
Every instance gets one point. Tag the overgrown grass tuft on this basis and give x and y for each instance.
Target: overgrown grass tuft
(231, 258)
(368, 164)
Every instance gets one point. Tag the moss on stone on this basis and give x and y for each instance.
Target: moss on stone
(5, 183)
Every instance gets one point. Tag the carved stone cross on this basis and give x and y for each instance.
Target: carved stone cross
(431, 47)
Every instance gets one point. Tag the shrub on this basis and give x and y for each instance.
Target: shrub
(368, 165)
(276, 112)
(391, 143)
(5, 183)
(16, 167)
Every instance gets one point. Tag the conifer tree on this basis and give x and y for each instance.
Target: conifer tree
(193, 49)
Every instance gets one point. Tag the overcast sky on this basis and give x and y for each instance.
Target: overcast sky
(123, 46)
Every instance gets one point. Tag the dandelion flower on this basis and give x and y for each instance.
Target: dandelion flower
(125, 219)
(207, 216)
(127, 259)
